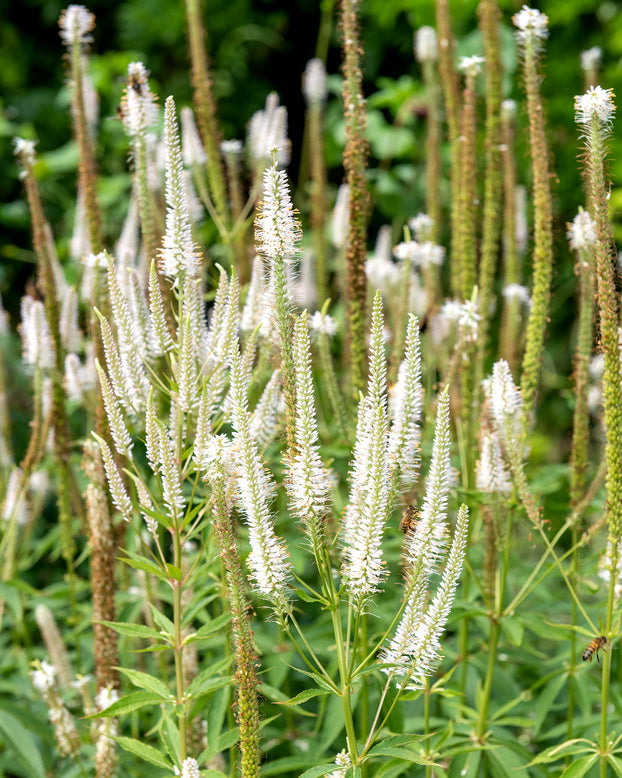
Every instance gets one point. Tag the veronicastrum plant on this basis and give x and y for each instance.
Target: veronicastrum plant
(266, 602)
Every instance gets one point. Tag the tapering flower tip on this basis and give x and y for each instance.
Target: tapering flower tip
(422, 226)
(490, 473)
(505, 398)
(581, 233)
(591, 59)
(471, 66)
(38, 346)
(179, 253)
(508, 111)
(138, 104)
(267, 129)
(314, 82)
(76, 22)
(277, 231)
(231, 148)
(341, 217)
(595, 105)
(426, 45)
(531, 25)
(323, 324)
(25, 150)
(192, 148)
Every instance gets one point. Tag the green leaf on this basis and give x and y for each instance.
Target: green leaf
(303, 696)
(143, 751)
(545, 700)
(580, 766)
(209, 629)
(196, 687)
(321, 769)
(398, 753)
(133, 630)
(513, 629)
(228, 739)
(212, 774)
(146, 681)
(127, 704)
(569, 748)
(615, 763)
(288, 765)
(23, 744)
(165, 624)
(174, 572)
(148, 567)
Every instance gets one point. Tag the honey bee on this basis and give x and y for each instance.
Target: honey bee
(594, 647)
(409, 520)
(134, 83)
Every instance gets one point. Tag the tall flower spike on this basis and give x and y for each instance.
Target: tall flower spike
(268, 557)
(367, 510)
(419, 649)
(179, 254)
(277, 230)
(423, 549)
(309, 485)
(407, 407)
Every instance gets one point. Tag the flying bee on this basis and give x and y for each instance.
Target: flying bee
(409, 520)
(594, 647)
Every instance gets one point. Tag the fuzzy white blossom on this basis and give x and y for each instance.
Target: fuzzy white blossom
(192, 148)
(340, 221)
(591, 59)
(14, 506)
(314, 82)
(531, 25)
(595, 105)
(519, 293)
(505, 405)
(231, 147)
(490, 473)
(508, 110)
(422, 226)
(343, 762)
(324, 324)
(139, 109)
(37, 344)
(426, 45)
(76, 22)
(24, 149)
(277, 230)
(189, 769)
(581, 232)
(471, 66)
(267, 130)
